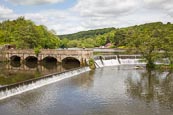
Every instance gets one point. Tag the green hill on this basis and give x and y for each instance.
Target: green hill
(86, 34)
(117, 36)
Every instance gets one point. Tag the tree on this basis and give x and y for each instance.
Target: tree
(166, 45)
(147, 45)
(37, 51)
(119, 37)
(25, 34)
(72, 43)
(63, 43)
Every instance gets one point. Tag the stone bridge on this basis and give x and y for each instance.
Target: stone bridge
(57, 55)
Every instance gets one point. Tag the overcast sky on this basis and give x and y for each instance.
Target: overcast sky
(69, 16)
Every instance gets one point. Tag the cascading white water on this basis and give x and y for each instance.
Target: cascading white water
(111, 62)
(114, 60)
(131, 61)
(39, 83)
(163, 61)
(99, 63)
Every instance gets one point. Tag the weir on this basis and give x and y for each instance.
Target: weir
(113, 60)
(18, 88)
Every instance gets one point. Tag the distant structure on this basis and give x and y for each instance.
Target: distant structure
(3, 48)
(7, 47)
(108, 45)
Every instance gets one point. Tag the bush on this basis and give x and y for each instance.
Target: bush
(92, 63)
(37, 51)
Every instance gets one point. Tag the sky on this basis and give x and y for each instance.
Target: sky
(70, 16)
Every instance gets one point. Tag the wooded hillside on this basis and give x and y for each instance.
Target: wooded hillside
(119, 37)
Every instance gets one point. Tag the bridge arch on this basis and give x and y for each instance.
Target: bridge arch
(70, 62)
(31, 59)
(50, 59)
(15, 58)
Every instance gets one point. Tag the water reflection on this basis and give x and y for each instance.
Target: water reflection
(15, 71)
(31, 64)
(70, 65)
(85, 80)
(50, 65)
(152, 86)
(15, 63)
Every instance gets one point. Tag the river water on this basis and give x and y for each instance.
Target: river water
(14, 72)
(116, 90)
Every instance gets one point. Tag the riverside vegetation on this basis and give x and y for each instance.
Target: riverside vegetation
(153, 41)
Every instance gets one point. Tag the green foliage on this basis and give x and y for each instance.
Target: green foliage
(87, 39)
(37, 50)
(118, 37)
(25, 34)
(72, 43)
(86, 34)
(148, 40)
(63, 43)
(92, 63)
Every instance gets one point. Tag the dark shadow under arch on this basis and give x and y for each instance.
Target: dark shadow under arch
(70, 62)
(49, 66)
(31, 59)
(49, 59)
(31, 62)
(49, 62)
(15, 58)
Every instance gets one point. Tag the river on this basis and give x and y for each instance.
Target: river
(14, 72)
(116, 90)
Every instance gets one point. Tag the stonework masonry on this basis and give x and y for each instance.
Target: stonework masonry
(81, 55)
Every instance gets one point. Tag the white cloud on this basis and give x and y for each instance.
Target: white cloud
(61, 21)
(159, 3)
(34, 2)
(4, 10)
(147, 16)
(6, 13)
(154, 1)
(165, 5)
(104, 7)
(103, 13)
(162, 4)
(93, 14)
